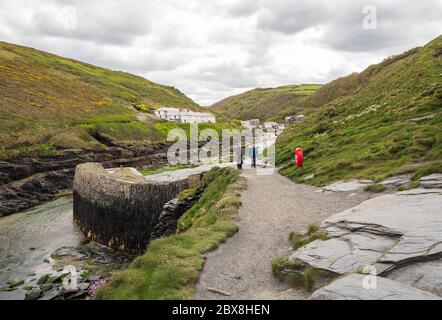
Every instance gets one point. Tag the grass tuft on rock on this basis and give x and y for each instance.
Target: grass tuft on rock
(169, 269)
(296, 273)
(375, 188)
(313, 233)
(427, 170)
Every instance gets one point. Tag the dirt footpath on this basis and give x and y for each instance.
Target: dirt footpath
(273, 206)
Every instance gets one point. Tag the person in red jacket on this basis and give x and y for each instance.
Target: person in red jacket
(299, 157)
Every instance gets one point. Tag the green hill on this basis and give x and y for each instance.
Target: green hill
(386, 120)
(266, 104)
(49, 102)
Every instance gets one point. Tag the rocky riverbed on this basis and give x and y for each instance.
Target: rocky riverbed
(44, 256)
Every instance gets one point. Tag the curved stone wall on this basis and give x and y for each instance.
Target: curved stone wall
(119, 207)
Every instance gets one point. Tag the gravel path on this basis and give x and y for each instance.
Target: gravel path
(273, 206)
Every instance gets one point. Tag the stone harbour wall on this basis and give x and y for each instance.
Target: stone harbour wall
(119, 207)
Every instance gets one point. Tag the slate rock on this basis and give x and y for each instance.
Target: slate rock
(426, 276)
(33, 295)
(352, 287)
(349, 186)
(42, 279)
(395, 234)
(431, 181)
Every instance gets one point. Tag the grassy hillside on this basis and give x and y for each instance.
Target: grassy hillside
(266, 104)
(384, 121)
(48, 102)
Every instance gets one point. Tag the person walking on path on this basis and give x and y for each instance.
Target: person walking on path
(254, 155)
(299, 158)
(239, 158)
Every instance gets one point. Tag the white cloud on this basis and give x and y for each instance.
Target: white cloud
(213, 49)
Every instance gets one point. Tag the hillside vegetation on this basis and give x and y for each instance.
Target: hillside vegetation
(266, 104)
(384, 121)
(49, 102)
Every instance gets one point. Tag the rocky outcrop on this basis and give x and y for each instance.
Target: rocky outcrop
(172, 211)
(28, 181)
(119, 207)
(396, 236)
(358, 185)
(433, 181)
(352, 287)
(349, 186)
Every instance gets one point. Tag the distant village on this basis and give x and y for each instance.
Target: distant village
(188, 116)
(271, 126)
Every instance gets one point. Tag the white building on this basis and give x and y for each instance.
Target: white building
(185, 115)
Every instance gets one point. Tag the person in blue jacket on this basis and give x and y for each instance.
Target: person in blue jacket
(254, 154)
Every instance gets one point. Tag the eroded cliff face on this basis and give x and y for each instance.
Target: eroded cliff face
(30, 180)
(120, 207)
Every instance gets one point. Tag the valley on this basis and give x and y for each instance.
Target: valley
(371, 141)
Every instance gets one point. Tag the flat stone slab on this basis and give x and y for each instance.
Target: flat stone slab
(130, 175)
(426, 276)
(397, 181)
(389, 233)
(182, 174)
(345, 254)
(349, 186)
(432, 181)
(359, 287)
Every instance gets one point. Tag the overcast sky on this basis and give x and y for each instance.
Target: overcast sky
(211, 49)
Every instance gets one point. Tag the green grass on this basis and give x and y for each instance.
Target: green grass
(379, 123)
(187, 193)
(313, 233)
(165, 127)
(266, 104)
(169, 269)
(118, 132)
(427, 170)
(47, 99)
(375, 188)
(296, 274)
